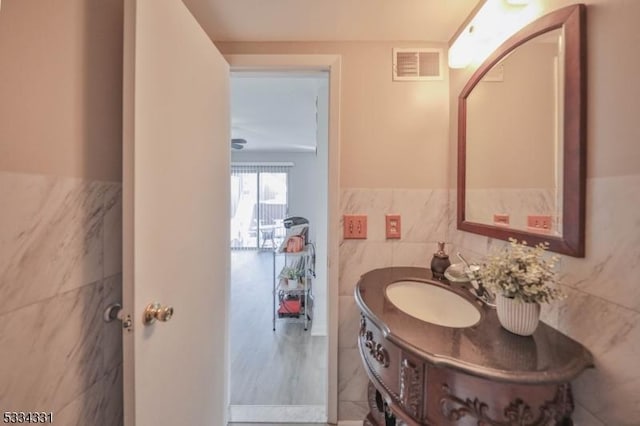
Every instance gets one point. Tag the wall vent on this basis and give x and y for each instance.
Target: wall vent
(416, 64)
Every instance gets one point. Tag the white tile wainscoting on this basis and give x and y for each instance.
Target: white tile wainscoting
(424, 222)
(60, 266)
(602, 310)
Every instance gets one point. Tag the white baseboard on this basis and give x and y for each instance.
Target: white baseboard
(350, 422)
(278, 414)
(318, 329)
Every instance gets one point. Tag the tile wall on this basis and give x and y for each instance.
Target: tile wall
(424, 215)
(602, 310)
(60, 266)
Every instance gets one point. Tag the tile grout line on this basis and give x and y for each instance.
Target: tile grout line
(579, 290)
(48, 299)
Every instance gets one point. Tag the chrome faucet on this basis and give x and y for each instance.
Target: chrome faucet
(478, 289)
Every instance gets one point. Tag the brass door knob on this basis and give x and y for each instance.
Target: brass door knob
(156, 311)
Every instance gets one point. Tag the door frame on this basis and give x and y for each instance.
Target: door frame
(332, 64)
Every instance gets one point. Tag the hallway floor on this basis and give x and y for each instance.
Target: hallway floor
(285, 367)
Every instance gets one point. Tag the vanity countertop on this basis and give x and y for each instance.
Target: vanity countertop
(485, 350)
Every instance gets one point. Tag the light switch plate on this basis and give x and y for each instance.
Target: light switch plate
(392, 226)
(501, 219)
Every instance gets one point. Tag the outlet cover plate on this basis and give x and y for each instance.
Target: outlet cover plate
(539, 223)
(355, 226)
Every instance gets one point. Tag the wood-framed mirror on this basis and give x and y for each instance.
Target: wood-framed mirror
(522, 137)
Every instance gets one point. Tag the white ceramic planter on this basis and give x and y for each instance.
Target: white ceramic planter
(292, 284)
(518, 317)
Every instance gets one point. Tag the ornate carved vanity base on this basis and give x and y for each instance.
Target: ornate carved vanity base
(425, 374)
(405, 389)
(494, 405)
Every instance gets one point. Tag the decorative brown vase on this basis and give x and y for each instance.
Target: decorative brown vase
(440, 262)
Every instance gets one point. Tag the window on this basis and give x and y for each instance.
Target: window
(259, 203)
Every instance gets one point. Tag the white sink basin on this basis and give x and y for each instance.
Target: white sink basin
(433, 304)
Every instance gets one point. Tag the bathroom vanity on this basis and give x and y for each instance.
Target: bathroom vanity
(471, 373)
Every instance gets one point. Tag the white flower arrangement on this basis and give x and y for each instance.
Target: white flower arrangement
(523, 273)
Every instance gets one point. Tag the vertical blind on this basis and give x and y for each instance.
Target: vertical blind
(259, 203)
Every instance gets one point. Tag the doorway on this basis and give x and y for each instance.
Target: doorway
(279, 168)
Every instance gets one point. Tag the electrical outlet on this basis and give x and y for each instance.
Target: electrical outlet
(539, 223)
(392, 226)
(355, 227)
(501, 219)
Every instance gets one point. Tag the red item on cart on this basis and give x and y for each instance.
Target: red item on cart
(289, 307)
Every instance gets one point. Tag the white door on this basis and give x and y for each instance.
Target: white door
(176, 217)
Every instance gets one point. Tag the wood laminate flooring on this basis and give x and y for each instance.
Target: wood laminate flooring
(285, 367)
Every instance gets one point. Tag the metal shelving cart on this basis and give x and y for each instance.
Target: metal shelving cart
(293, 302)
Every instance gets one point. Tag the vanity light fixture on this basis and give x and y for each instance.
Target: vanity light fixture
(492, 24)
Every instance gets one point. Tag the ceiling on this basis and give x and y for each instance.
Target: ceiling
(276, 111)
(331, 20)
(278, 114)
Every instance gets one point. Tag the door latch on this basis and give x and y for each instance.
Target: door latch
(114, 312)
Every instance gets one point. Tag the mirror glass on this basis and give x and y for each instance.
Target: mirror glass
(514, 140)
(521, 137)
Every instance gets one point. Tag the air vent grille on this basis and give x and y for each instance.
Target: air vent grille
(417, 64)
